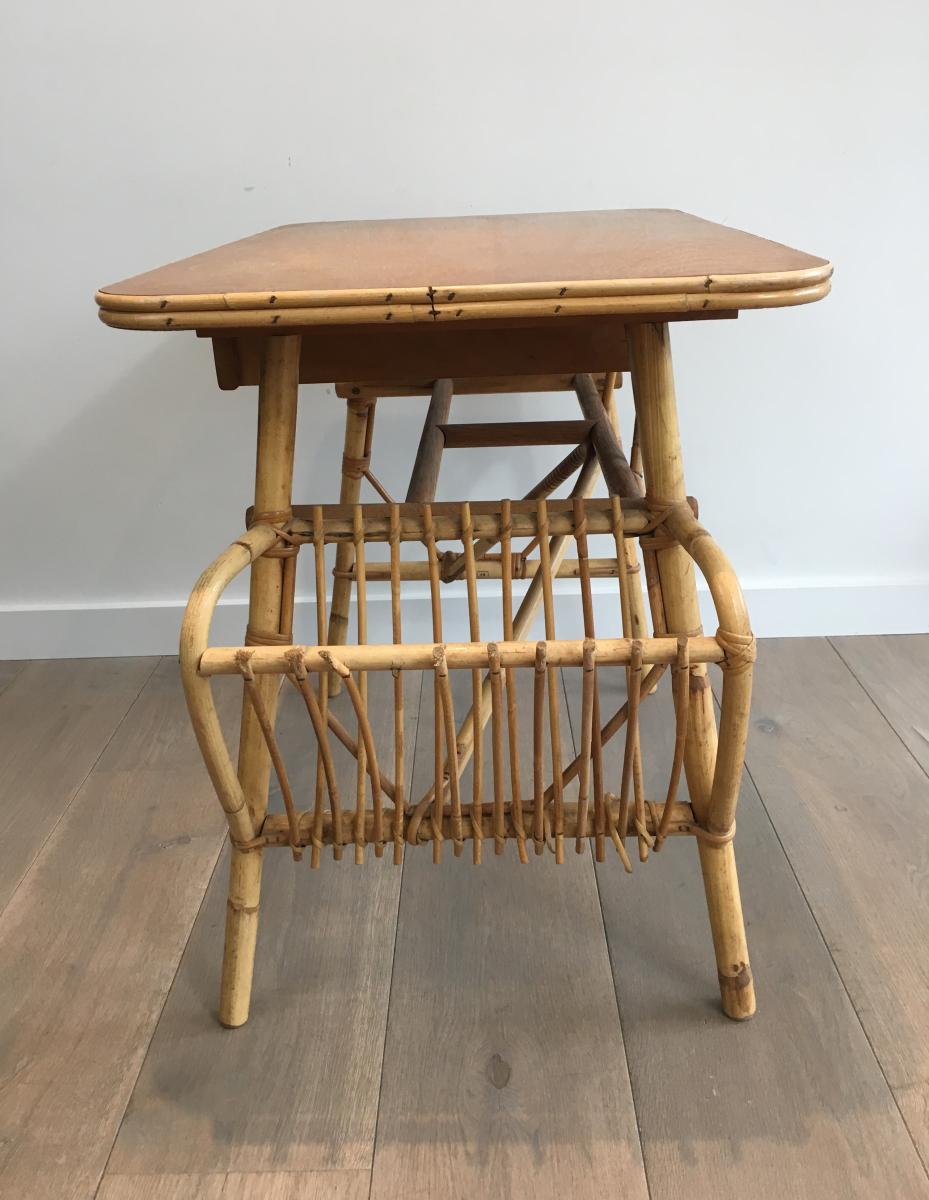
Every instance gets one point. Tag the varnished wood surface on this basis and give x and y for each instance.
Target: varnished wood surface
(428, 352)
(539, 264)
(822, 1094)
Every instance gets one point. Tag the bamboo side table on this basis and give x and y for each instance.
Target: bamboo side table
(431, 307)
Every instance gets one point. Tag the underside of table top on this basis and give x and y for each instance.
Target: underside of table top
(536, 266)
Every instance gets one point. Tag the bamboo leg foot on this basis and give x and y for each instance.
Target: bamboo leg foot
(713, 794)
(241, 936)
(721, 883)
(270, 612)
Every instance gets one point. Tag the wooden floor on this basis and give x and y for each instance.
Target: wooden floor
(451, 1032)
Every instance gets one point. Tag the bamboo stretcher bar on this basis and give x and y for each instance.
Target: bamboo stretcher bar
(618, 474)
(275, 830)
(583, 486)
(272, 660)
(338, 520)
(492, 567)
(484, 435)
(558, 475)
(425, 475)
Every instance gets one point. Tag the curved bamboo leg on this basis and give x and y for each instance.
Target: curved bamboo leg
(359, 428)
(277, 419)
(656, 412)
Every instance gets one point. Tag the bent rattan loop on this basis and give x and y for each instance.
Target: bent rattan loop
(367, 738)
(317, 717)
(587, 721)
(681, 677)
(451, 749)
(256, 700)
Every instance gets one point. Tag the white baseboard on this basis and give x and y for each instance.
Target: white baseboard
(141, 628)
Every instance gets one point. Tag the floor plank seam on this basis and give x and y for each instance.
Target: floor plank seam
(838, 972)
(393, 958)
(622, 1035)
(18, 670)
(79, 787)
(609, 955)
(887, 721)
(164, 1001)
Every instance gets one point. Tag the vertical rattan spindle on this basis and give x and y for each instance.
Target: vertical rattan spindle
(319, 562)
(397, 633)
(438, 799)
(361, 781)
(506, 593)
(477, 687)
(554, 721)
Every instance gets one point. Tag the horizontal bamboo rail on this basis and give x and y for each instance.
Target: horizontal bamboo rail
(275, 830)
(275, 660)
(491, 566)
(338, 520)
(481, 435)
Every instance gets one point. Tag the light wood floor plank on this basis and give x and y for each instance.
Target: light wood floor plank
(55, 719)
(790, 1104)
(851, 807)
(162, 1187)
(276, 1185)
(295, 1089)
(90, 943)
(894, 670)
(504, 1072)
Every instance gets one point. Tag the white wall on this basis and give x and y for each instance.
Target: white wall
(139, 133)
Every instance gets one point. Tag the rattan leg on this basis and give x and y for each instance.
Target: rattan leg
(357, 449)
(277, 416)
(653, 387)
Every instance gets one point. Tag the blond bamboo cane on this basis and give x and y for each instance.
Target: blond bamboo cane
(277, 421)
(656, 411)
(397, 633)
(425, 476)
(275, 832)
(521, 623)
(485, 516)
(359, 428)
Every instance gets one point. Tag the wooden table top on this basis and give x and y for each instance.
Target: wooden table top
(534, 265)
